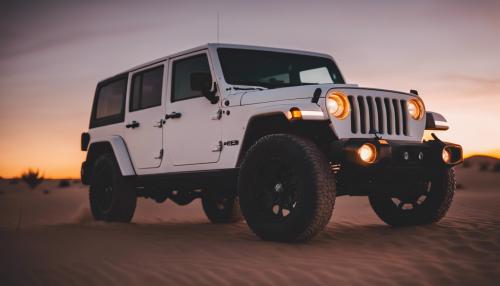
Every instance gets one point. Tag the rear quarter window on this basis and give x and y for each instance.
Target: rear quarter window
(109, 102)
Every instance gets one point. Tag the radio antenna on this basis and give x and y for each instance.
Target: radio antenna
(218, 25)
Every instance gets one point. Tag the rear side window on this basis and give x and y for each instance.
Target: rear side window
(109, 103)
(146, 89)
(182, 71)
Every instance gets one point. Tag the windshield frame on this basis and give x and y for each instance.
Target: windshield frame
(273, 50)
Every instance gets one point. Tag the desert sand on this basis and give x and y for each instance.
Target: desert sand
(51, 239)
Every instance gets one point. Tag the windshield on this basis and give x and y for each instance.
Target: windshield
(275, 69)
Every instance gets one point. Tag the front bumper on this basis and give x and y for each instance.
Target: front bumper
(398, 163)
(396, 154)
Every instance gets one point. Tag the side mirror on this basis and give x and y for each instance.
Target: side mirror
(201, 81)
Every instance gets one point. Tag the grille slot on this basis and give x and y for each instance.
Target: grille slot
(382, 115)
(362, 114)
(404, 115)
(397, 116)
(354, 111)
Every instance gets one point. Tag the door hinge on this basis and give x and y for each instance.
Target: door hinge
(217, 115)
(160, 156)
(217, 147)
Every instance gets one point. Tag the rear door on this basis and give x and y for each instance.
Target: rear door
(194, 137)
(144, 118)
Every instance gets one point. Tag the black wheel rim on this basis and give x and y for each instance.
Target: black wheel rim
(277, 192)
(221, 203)
(413, 199)
(105, 191)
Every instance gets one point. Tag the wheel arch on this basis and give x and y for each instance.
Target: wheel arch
(114, 145)
(261, 125)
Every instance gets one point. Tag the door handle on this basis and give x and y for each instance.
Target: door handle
(173, 115)
(132, 125)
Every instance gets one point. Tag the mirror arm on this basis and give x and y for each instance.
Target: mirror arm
(211, 94)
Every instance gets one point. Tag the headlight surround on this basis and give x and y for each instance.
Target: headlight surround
(337, 104)
(416, 108)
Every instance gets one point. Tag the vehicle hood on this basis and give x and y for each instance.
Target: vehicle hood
(285, 93)
(299, 92)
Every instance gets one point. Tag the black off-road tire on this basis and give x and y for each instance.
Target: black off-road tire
(221, 206)
(286, 188)
(430, 205)
(112, 196)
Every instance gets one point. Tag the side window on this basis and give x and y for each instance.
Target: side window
(181, 76)
(146, 89)
(109, 103)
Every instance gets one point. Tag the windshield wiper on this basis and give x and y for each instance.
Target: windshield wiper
(248, 88)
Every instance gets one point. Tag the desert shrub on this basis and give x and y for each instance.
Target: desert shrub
(484, 167)
(496, 167)
(76, 181)
(13, 181)
(64, 183)
(32, 178)
(466, 164)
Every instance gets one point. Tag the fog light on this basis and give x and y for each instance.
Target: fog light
(446, 154)
(421, 156)
(367, 153)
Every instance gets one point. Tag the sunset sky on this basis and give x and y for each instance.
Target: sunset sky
(52, 53)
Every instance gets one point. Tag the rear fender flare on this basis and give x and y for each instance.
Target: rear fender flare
(120, 152)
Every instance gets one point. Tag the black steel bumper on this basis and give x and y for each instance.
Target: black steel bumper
(396, 154)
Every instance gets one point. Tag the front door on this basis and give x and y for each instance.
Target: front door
(145, 111)
(193, 135)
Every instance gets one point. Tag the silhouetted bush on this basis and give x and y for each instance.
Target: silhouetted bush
(76, 181)
(32, 178)
(460, 186)
(64, 183)
(484, 166)
(466, 164)
(13, 181)
(496, 168)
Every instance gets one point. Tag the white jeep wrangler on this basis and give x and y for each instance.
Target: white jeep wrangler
(271, 135)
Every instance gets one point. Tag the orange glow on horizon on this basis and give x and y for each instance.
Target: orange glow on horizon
(70, 168)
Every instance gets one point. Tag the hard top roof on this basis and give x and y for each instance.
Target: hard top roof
(215, 46)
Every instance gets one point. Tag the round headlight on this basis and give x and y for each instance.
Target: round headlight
(416, 108)
(367, 153)
(337, 104)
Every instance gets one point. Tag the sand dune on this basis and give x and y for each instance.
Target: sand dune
(57, 243)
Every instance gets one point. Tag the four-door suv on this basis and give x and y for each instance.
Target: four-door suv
(269, 135)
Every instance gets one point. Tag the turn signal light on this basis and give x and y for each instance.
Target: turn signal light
(294, 114)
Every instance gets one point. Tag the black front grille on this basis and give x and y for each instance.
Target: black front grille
(382, 115)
